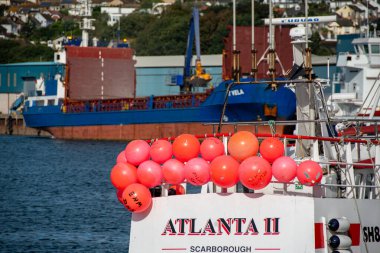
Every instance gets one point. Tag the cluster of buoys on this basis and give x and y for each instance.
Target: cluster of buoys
(142, 166)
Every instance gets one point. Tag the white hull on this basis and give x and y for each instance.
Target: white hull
(282, 223)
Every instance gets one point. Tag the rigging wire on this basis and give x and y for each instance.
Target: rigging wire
(367, 97)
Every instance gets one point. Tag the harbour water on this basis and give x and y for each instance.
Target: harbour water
(56, 196)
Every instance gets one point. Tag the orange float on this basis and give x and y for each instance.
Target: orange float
(242, 145)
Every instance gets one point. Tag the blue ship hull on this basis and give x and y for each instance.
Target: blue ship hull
(246, 102)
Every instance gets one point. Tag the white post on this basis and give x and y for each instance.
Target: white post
(326, 247)
(377, 171)
(165, 190)
(271, 41)
(374, 105)
(253, 24)
(349, 173)
(234, 25)
(306, 24)
(328, 72)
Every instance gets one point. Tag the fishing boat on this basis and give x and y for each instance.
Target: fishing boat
(336, 213)
(339, 214)
(354, 111)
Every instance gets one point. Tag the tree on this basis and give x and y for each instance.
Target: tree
(165, 35)
(317, 47)
(319, 9)
(213, 28)
(131, 25)
(12, 51)
(6, 50)
(102, 30)
(28, 30)
(34, 53)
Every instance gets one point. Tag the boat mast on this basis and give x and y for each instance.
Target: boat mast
(271, 51)
(235, 52)
(86, 24)
(308, 72)
(253, 49)
(308, 65)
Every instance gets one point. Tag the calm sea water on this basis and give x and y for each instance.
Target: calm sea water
(56, 196)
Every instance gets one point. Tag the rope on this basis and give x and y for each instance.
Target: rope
(338, 168)
(365, 100)
(272, 126)
(369, 145)
(224, 105)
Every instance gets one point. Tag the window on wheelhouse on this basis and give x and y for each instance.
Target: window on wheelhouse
(366, 50)
(375, 49)
(356, 49)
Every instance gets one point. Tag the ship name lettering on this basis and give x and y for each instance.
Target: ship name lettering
(371, 234)
(299, 20)
(220, 226)
(236, 92)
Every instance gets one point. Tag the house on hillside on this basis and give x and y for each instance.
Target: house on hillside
(115, 3)
(54, 15)
(353, 13)
(13, 26)
(57, 44)
(45, 5)
(5, 2)
(337, 4)
(17, 2)
(54, 6)
(3, 32)
(286, 4)
(374, 11)
(115, 13)
(341, 26)
(43, 20)
(71, 5)
(23, 13)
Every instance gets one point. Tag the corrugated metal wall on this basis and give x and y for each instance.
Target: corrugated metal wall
(11, 75)
(97, 73)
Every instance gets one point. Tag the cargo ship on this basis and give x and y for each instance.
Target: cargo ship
(73, 108)
(95, 98)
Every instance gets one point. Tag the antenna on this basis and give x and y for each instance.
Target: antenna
(308, 66)
(271, 51)
(367, 19)
(86, 24)
(236, 53)
(253, 49)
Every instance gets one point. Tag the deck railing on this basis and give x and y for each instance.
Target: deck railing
(145, 103)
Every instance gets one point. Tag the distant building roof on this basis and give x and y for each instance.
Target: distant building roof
(322, 60)
(45, 4)
(68, 1)
(355, 8)
(175, 61)
(47, 17)
(43, 63)
(17, 2)
(55, 14)
(116, 3)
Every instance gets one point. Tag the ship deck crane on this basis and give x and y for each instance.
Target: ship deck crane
(200, 77)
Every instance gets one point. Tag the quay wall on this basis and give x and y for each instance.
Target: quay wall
(18, 127)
